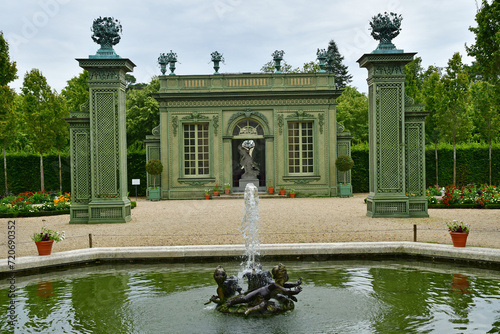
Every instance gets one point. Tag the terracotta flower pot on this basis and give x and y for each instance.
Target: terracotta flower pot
(292, 195)
(44, 247)
(216, 193)
(282, 192)
(270, 190)
(207, 196)
(226, 191)
(459, 238)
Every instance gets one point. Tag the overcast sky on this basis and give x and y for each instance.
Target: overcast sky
(50, 34)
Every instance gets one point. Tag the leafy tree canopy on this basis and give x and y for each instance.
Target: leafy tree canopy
(486, 48)
(76, 91)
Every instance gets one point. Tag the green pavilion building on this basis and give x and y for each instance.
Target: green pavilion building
(291, 119)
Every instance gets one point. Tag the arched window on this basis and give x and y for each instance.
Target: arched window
(248, 127)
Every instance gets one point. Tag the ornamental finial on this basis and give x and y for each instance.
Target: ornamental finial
(385, 28)
(106, 32)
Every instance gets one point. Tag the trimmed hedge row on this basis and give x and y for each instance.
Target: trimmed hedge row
(23, 172)
(472, 167)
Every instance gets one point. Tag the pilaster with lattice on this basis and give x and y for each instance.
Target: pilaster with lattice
(100, 152)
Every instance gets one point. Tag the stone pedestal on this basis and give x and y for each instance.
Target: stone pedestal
(99, 146)
(397, 148)
(244, 182)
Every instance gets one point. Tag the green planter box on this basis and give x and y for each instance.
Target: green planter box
(154, 193)
(345, 190)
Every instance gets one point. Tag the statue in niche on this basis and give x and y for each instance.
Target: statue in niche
(267, 297)
(246, 160)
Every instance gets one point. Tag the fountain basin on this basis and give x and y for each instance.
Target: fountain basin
(369, 296)
(216, 252)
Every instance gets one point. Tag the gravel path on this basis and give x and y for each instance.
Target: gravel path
(283, 220)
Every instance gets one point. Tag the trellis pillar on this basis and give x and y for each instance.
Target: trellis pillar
(99, 170)
(386, 114)
(415, 159)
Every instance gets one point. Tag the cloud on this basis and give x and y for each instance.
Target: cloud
(50, 34)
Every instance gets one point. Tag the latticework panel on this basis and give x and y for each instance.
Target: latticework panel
(389, 122)
(153, 152)
(372, 142)
(106, 148)
(344, 148)
(81, 168)
(417, 207)
(79, 213)
(391, 208)
(414, 160)
(106, 213)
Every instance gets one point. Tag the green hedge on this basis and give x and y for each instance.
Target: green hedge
(472, 167)
(23, 172)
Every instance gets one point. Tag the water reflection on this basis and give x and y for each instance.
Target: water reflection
(460, 284)
(45, 289)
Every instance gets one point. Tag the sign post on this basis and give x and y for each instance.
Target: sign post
(136, 182)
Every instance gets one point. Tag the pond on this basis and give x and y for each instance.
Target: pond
(376, 296)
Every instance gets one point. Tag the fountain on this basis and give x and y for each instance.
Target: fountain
(266, 295)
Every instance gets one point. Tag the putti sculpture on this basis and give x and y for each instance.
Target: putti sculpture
(384, 29)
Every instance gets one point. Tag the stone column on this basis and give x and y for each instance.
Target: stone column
(386, 93)
(108, 202)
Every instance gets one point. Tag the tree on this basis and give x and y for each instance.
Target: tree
(335, 66)
(486, 48)
(76, 91)
(432, 97)
(285, 67)
(414, 80)
(60, 128)
(455, 121)
(142, 112)
(8, 119)
(486, 112)
(352, 112)
(37, 106)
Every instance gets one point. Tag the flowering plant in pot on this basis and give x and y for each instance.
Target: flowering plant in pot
(458, 232)
(282, 190)
(227, 188)
(45, 239)
(270, 187)
(292, 193)
(207, 193)
(216, 190)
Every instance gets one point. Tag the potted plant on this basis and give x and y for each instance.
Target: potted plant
(282, 190)
(207, 194)
(216, 190)
(154, 167)
(344, 164)
(270, 187)
(227, 188)
(45, 239)
(458, 232)
(292, 193)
